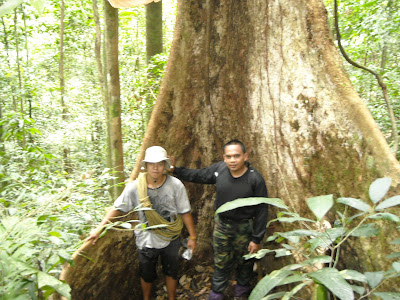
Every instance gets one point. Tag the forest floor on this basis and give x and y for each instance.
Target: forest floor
(194, 284)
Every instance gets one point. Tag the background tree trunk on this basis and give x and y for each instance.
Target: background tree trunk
(268, 73)
(102, 80)
(154, 30)
(66, 150)
(21, 92)
(114, 104)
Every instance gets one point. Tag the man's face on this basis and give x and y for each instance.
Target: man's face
(155, 170)
(235, 158)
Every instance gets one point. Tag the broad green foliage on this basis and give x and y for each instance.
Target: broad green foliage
(44, 212)
(314, 238)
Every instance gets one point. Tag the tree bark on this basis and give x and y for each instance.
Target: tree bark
(102, 80)
(114, 104)
(66, 150)
(268, 73)
(20, 92)
(154, 30)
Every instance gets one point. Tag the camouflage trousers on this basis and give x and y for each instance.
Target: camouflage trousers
(230, 243)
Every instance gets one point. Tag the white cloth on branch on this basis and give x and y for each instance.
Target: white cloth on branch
(129, 3)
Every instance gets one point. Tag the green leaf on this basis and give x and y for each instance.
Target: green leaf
(260, 254)
(396, 266)
(393, 201)
(274, 296)
(320, 205)
(355, 203)
(323, 259)
(268, 283)
(388, 295)
(333, 281)
(385, 216)
(297, 288)
(379, 188)
(358, 289)
(353, 275)
(366, 230)
(393, 255)
(241, 202)
(282, 252)
(9, 6)
(395, 242)
(327, 238)
(374, 278)
(299, 232)
(293, 219)
(45, 279)
(38, 5)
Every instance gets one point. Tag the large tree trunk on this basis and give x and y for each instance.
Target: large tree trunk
(268, 73)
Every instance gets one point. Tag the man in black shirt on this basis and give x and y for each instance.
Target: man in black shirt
(239, 231)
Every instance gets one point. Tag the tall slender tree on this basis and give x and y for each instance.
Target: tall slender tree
(21, 91)
(154, 29)
(114, 101)
(102, 79)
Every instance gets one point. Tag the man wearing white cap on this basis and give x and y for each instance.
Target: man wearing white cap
(167, 197)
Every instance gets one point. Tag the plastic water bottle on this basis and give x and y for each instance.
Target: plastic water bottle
(188, 253)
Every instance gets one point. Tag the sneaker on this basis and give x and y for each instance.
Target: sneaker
(216, 296)
(241, 291)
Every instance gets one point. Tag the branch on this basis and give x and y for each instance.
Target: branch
(383, 86)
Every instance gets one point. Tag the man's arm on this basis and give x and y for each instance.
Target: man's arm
(188, 221)
(204, 175)
(261, 215)
(109, 217)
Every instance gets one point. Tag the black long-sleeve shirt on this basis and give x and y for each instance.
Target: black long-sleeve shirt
(229, 188)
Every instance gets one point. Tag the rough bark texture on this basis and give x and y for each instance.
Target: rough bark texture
(268, 73)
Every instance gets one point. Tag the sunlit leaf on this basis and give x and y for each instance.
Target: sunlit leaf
(9, 6)
(393, 201)
(274, 296)
(374, 278)
(297, 288)
(366, 230)
(38, 5)
(333, 281)
(353, 275)
(45, 279)
(387, 295)
(268, 283)
(379, 188)
(320, 205)
(242, 202)
(396, 266)
(385, 216)
(355, 203)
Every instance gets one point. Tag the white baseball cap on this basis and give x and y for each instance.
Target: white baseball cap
(155, 154)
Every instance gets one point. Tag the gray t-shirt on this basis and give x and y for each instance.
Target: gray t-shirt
(168, 200)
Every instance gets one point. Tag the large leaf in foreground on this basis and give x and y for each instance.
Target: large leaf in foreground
(268, 283)
(241, 202)
(333, 281)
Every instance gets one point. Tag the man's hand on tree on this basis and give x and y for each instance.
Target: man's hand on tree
(253, 247)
